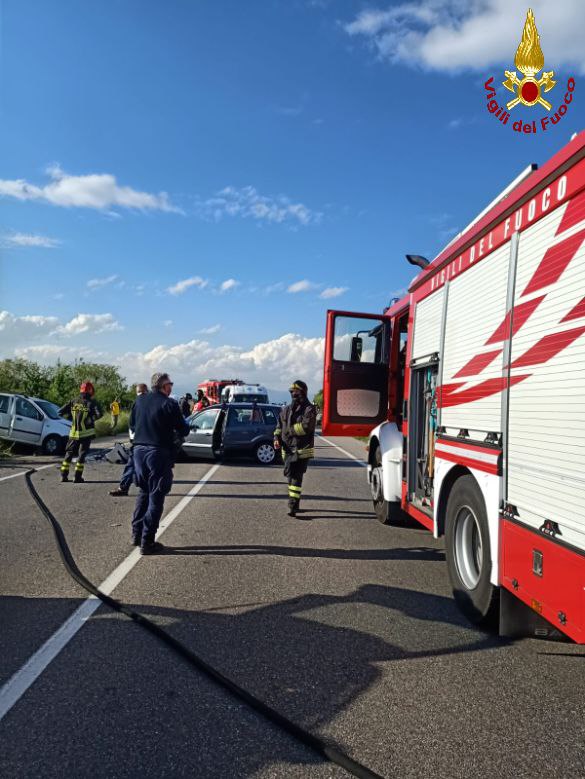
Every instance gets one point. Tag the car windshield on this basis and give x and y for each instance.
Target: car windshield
(50, 409)
(250, 398)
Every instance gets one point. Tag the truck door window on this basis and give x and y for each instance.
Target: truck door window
(357, 340)
(4, 404)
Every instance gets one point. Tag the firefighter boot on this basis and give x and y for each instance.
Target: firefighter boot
(64, 471)
(293, 507)
(78, 476)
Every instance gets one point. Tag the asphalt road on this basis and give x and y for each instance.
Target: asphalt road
(345, 626)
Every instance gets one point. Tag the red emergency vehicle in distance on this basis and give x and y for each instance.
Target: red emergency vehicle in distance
(471, 390)
(213, 388)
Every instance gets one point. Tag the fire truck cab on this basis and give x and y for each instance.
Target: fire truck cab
(471, 390)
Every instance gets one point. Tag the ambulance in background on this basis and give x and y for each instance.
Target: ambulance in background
(244, 393)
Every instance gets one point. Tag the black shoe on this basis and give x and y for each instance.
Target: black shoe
(136, 540)
(64, 478)
(154, 547)
(119, 492)
(293, 507)
(78, 479)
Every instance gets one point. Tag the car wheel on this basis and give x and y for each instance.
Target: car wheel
(52, 444)
(467, 546)
(387, 512)
(265, 453)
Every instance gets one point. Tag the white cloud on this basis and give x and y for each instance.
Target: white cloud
(332, 292)
(17, 330)
(301, 286)
(182, 286)
(88, 323)
(210, 330)
(98, 283)
(248, 203)
(229, 284)
(48, 354)
(273, 363)
(17, 240)
(455, 35)
(168, 322)
(99, 191)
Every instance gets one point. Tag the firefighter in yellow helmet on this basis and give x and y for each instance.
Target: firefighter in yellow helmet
(83, 412)
(295, 435)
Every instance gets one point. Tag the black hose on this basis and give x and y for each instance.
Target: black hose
(317, 744)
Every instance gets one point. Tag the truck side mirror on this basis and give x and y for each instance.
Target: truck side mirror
(356, 349)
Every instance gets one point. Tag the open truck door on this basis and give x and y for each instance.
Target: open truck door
(355, 386)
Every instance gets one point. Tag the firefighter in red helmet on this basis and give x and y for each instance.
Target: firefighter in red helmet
(295, 435)
(83, 412)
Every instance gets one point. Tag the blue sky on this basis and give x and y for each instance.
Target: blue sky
(291, 151)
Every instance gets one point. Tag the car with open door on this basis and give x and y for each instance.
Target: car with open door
(33, 421)
(234, 430)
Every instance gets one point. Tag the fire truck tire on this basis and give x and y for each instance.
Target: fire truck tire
(387, 512)
(467, 545)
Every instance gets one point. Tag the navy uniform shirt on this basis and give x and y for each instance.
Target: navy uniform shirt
(155, 419)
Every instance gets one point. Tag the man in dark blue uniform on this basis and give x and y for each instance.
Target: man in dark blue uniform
(156, 420)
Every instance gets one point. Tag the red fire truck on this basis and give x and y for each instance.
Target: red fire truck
(214, 387)
(472, 391)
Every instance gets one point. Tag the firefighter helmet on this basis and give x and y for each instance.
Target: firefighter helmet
(298, 385)
(87, 387)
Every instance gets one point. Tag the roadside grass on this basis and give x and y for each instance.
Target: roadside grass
(103, 426)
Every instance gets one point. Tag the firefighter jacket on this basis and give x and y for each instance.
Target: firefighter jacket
(83, 413)
(296, 430)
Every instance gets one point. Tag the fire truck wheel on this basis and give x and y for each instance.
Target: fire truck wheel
(387, 512)
(467, 545)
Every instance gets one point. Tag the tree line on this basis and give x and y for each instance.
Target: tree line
(59, 383)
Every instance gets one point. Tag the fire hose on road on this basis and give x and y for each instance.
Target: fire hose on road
(321, 747)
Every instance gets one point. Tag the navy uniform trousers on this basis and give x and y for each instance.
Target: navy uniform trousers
(153, 475)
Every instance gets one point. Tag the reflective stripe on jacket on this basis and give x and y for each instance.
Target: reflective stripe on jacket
(83, 413)
(296, 429)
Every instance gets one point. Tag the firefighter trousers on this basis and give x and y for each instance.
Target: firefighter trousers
(295, 470)
(76, 447)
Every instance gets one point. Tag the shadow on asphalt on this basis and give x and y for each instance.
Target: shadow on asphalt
(303, 656)
(421, 553)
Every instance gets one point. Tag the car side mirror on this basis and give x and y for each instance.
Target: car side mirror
(356, 348)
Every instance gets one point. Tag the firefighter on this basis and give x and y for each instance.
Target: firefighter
(295, 436)
(83, 413)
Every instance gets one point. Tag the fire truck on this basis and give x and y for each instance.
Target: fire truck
(471, 389)
(213, 388)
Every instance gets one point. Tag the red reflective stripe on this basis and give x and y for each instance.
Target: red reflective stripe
(554, 262)
(521, 314)
(449, 397)
(477, 364)
(577, 312)
(548, 347)
(469, 447)
(468, 462)
(574, 213)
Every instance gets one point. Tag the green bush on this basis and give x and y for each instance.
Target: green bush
(104, 425)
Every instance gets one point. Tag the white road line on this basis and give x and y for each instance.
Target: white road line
(346, 453)
(18, 684)
(21, 473)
